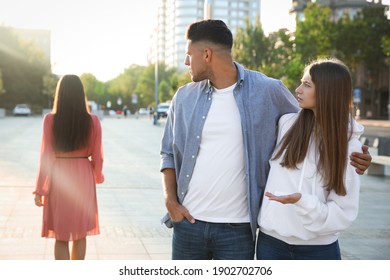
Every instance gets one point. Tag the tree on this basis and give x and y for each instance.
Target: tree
(314, 36)
(183, 78)
(347, 45)
(250, 45)
(282, 61)
(164, 91)
(146, 86)
(94, 89)
(386, 45)
(373, 26)
(2, 89)
(124, 86)
(49, 86)
(23, 66)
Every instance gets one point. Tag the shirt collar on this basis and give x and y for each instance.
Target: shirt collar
(240, 78)
(240, 73)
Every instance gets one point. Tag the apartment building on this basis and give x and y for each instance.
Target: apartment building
(338, 7)
(168, 41)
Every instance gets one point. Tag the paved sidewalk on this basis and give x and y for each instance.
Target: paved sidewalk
(378, 123)
(131, 200)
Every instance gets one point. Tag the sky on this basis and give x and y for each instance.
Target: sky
(103, 37)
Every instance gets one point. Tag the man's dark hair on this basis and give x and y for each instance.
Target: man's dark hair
(211, 30)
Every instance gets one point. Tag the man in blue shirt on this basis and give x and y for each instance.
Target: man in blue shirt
(218, 139)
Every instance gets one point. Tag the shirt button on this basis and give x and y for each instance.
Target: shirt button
(197, 137)
(187, 176)
(209, 98)
(182, 193)
(193, 156)
(203, 117)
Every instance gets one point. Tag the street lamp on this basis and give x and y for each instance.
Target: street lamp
(388, 101)
(156, 73)
(155, 90)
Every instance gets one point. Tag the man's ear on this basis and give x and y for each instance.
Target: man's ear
(207, 54)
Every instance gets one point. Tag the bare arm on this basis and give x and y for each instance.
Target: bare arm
(361, 161)
(176, 211)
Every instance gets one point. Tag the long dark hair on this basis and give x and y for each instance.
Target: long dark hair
(329, 125)
(72, 121)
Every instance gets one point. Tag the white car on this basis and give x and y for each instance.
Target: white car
(143, 111)
(162, 110)
(22, 110)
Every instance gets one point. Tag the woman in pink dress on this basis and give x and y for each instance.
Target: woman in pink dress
(71, 163)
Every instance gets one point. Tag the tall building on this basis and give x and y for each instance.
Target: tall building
(338, 7)
(168, 41)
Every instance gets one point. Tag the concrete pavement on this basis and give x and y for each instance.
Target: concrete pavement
(131, 199)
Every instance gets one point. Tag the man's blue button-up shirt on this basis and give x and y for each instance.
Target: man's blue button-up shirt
(261, 101)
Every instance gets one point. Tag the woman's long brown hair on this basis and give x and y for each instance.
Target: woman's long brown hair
(329, 125)
(72, 121)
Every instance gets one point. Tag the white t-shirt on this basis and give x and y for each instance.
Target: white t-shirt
(217, 190)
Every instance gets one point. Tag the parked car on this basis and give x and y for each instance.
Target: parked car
(143, 111)
(22, 110)
(162, 110)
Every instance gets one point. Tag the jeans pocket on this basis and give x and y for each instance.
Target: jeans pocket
(178, 222)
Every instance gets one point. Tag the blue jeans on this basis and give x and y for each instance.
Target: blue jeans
(270, 248)
(206, 241)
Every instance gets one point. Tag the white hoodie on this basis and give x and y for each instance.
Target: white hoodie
(319, 216)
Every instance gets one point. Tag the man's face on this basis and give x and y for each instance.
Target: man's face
(195, 60)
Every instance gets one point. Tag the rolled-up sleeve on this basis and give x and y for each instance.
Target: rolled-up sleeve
(166, 152)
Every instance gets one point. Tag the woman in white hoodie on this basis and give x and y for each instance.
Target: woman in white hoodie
(312, 192)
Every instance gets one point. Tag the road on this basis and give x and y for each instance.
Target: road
(130, 201)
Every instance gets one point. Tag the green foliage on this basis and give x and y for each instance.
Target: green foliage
(374, 26)
(22, 67)
(183, 79)
(164, 92)
(94, 89)
(282, 62)
(314, 36)
(250, 46)
(146, 84)
(2, 89)
(386, 48)
(49, 86)
(386, 45)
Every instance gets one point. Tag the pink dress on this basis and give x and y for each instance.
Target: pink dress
(68, 183)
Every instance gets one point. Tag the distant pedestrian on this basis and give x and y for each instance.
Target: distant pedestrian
(151, 112)
(71, 161)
